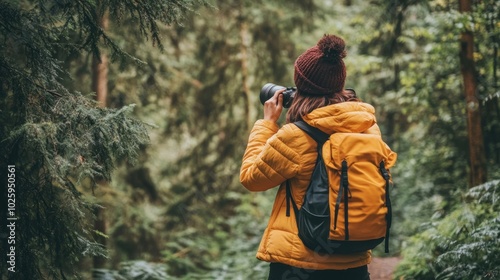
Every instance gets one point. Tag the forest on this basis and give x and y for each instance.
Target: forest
(123, 124)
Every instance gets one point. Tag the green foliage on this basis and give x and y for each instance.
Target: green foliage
(224, 249)
(462, 245)
(227, 249)
(53, 158)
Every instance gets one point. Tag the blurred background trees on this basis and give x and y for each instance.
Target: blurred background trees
(183, 80)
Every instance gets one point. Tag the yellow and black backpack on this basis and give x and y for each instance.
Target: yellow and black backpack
(347, 207)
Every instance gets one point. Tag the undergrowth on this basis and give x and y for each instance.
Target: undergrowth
(462, 245)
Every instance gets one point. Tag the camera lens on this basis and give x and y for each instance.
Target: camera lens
(268, 91)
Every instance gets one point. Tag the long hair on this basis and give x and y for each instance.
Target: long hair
(305, 104)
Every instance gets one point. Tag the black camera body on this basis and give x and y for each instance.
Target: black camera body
(269, 89)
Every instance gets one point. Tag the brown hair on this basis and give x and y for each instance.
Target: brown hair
(305, 104)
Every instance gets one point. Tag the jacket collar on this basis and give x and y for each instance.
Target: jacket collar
(343, 117)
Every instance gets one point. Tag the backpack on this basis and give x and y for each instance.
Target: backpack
(347, 207)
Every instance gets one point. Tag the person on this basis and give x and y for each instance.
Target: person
(274, 155)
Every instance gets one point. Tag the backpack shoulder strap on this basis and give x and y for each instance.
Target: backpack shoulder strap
(319, 136)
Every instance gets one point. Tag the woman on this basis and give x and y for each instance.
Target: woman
(274, 155)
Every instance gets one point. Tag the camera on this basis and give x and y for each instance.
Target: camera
(269, 89)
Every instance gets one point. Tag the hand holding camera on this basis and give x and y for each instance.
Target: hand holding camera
(274, 106)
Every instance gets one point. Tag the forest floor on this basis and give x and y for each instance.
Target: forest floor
(382, 268)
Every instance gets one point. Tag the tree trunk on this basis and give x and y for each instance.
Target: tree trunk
(100, 79)
(476, 146)
(100, 87)
(100, 68)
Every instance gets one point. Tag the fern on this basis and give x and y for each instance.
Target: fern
(463, 245)
(134, 270)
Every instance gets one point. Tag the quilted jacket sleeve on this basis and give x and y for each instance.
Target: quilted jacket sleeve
(270, 157)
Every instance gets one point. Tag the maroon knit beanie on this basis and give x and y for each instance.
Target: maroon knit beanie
(321, 70)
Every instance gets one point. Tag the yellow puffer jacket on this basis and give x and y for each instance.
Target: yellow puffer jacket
(274, 155)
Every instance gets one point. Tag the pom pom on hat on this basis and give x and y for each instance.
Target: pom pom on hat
(321, 70)
(333, 48)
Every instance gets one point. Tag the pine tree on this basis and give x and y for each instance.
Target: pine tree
(57, 141)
